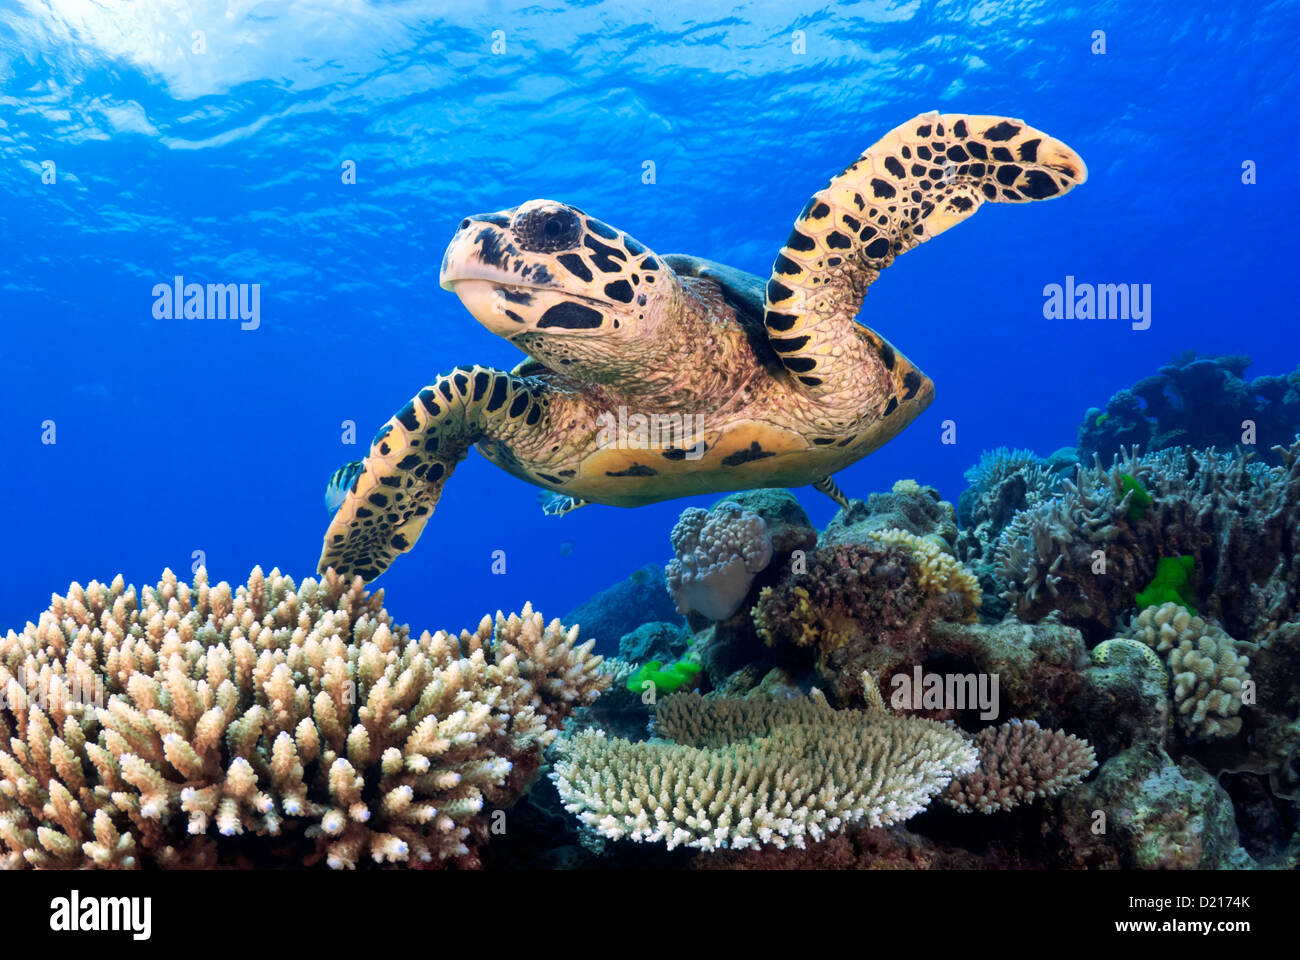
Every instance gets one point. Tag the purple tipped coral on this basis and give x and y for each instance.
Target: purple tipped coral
(718, 554)
(1020, 763)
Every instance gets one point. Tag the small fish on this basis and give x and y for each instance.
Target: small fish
(566, 548)
(341, 483)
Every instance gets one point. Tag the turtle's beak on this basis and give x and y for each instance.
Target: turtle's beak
(488, 302)
(482, 249)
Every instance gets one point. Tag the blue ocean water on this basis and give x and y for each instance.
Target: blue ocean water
(209, 141)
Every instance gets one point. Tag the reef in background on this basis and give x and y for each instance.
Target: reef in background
(1144, 612)
(1196, 402)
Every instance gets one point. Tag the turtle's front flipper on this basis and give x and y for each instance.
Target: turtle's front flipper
(832, 489)
(393, 491)
(922, 178)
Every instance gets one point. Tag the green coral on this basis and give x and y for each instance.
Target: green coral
(1140, 499)
(1172, 584)
(665, 679)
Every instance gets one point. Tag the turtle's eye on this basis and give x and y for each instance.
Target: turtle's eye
(545, 231)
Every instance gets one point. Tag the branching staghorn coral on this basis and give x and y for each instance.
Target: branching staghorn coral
(718, 553)
(271, 710)
(1236, 518)
(1019, 763)
(1207, 672)
(1003, 482)
(750, 773)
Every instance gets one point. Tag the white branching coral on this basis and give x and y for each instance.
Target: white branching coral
(157, 728)
(750, 773)
(1020, 763)
(718, 554)
(1208, 673)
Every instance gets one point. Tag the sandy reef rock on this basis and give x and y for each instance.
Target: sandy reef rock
(908, 506)
(1158, 815)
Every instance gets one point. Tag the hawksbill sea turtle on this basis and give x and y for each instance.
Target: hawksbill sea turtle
(787, 387)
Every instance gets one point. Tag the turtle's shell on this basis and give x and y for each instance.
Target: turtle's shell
(766, 444)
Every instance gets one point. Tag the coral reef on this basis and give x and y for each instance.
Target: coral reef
(1003, 482)
(865, 606)
(1208, 673)
(1171, 584)
(660, 641)
(621, 608)
(718, 553)
(663, 679)
(275, 711)
(1124, 698)
(787, 522)
(863, 848)
(749, 773)
(941, 574)
(909, 507)
(1019, 763)
(1144, 811)
(1079, 554)
(886, 586)
(1199, 403)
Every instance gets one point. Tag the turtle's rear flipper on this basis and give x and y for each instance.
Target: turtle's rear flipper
(395, 488)
(832, 489)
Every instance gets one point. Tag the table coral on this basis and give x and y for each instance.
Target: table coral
(751, 773)
(300, 713)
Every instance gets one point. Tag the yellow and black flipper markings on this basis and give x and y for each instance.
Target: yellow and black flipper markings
(392, 492)
(832, 489)
(922, 178)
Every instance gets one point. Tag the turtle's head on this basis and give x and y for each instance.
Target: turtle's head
(562, 286)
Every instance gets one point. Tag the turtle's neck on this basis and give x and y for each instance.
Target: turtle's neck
(697, 365)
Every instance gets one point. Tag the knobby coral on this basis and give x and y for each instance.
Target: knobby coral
(750, 773)
(941, 574)
(301, 714)
(895, 581)
(1208, 673)
(1020, 763)
(718, 554)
